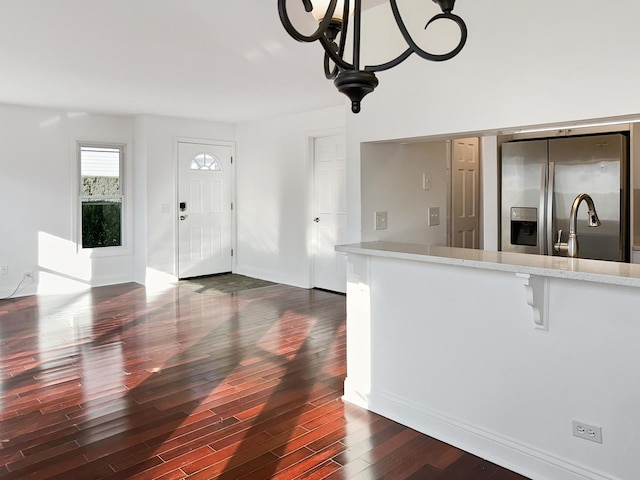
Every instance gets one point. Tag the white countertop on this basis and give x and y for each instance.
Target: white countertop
(614, 273)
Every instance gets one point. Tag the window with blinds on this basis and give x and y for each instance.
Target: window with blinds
(101, 195)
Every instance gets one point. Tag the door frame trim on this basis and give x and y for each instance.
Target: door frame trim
(312, 135)
(176, 224)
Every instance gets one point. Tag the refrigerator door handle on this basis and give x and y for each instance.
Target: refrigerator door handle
(549, 212)
(541, 208)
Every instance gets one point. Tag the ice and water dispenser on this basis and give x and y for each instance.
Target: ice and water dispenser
(524, 226)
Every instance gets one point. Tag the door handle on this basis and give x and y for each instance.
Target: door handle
(550, 207)
(183, 217)
(317, 219)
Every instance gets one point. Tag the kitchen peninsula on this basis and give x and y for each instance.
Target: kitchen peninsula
(499, 353)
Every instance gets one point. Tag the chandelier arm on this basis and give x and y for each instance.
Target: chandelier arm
(463, 36)
(330, 73)
(344, 29)
(386, 66)
(340, 62)
(357, 25)
(423, 53)
(291, 30)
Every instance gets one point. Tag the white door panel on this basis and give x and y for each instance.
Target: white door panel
(204, 225)
(329, 266)
(465, 217)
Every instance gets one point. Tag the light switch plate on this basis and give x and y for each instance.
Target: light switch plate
(434, 216)
(381, 221)
(426, 181)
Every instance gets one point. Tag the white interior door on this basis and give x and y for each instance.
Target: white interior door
(204, 209)
(465, 217)
(330, 212)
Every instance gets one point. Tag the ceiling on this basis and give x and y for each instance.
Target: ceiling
(217, 60)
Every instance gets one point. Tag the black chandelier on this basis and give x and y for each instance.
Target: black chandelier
(349, 77)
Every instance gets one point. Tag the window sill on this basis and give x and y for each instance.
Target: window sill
(104, 252)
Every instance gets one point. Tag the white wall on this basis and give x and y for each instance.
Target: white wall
(38, 199)
(37, 154)
(392, 181)
(274, 194)
(156, 139)
(489, 192)
(37, 195)
(510, 73)
(140, 200)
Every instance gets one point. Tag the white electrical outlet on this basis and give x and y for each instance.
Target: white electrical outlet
(434, 216)
(28, 275)
(4, 269)
(586, 431)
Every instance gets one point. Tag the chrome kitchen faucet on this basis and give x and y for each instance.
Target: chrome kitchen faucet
(571, 246)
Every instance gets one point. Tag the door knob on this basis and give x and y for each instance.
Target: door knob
(183, 217)
(317, 219)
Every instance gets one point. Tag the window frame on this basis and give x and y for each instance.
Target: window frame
(126, 215)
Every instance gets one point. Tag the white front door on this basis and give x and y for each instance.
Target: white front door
(204, 209)
(330, 212)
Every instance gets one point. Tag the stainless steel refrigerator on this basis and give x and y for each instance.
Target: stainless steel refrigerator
(541, 179)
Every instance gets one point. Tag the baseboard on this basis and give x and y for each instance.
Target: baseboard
(352, 395)
(113, 280)
(507, 452)
(269, 276)
(35, 288)
(22, 292)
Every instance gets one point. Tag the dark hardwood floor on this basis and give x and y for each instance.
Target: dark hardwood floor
(118, 383)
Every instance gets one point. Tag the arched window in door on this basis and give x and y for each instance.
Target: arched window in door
(206, 161)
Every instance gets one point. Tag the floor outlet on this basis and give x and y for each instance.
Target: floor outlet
(586, 431)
